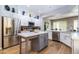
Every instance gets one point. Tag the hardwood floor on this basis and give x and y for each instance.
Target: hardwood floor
(53, 48)
(56, 48)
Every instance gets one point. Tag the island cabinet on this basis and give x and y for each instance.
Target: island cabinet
(40, 42)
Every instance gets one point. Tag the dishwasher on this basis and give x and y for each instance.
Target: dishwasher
(56, 36)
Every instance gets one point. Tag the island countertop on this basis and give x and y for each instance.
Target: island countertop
(29, 34)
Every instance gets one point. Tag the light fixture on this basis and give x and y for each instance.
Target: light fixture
(23, 12)
(13, 10)
(30, 15)
(7, 7)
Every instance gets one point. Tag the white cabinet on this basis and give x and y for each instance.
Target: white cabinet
(36, 21)
(25, 21)
(75, 42)
(75, 46)
(50, 35)
(65, 38)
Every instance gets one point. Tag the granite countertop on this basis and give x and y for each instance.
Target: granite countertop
(29, 34)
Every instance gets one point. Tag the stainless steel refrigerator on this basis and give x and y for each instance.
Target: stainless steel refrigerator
(9, 39)
(0, 33)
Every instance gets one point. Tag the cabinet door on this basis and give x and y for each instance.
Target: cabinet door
(62, 37)
(45, 39)
(68, 41)
(65, 38)
(35, 43)
(41, 41)
(75, 46)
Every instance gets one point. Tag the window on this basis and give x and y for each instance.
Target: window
(55, 25)
(60, 25)
(63, 25)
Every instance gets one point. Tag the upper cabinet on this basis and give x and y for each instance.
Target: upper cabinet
(25, 21)
(36, 21)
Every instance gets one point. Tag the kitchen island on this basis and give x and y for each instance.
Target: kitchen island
(39, 40)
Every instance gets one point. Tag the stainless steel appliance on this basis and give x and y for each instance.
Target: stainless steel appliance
(56, 36)
(8, 37)
(0, 33)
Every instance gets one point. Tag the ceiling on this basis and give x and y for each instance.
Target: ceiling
(37, 9)
(66, 11)
(46, 10)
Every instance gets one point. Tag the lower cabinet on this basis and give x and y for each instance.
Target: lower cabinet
(66, 39)
(45, 39)
(40, 42)
(75, 46)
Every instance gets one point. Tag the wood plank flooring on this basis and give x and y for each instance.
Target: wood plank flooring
(53, 48)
